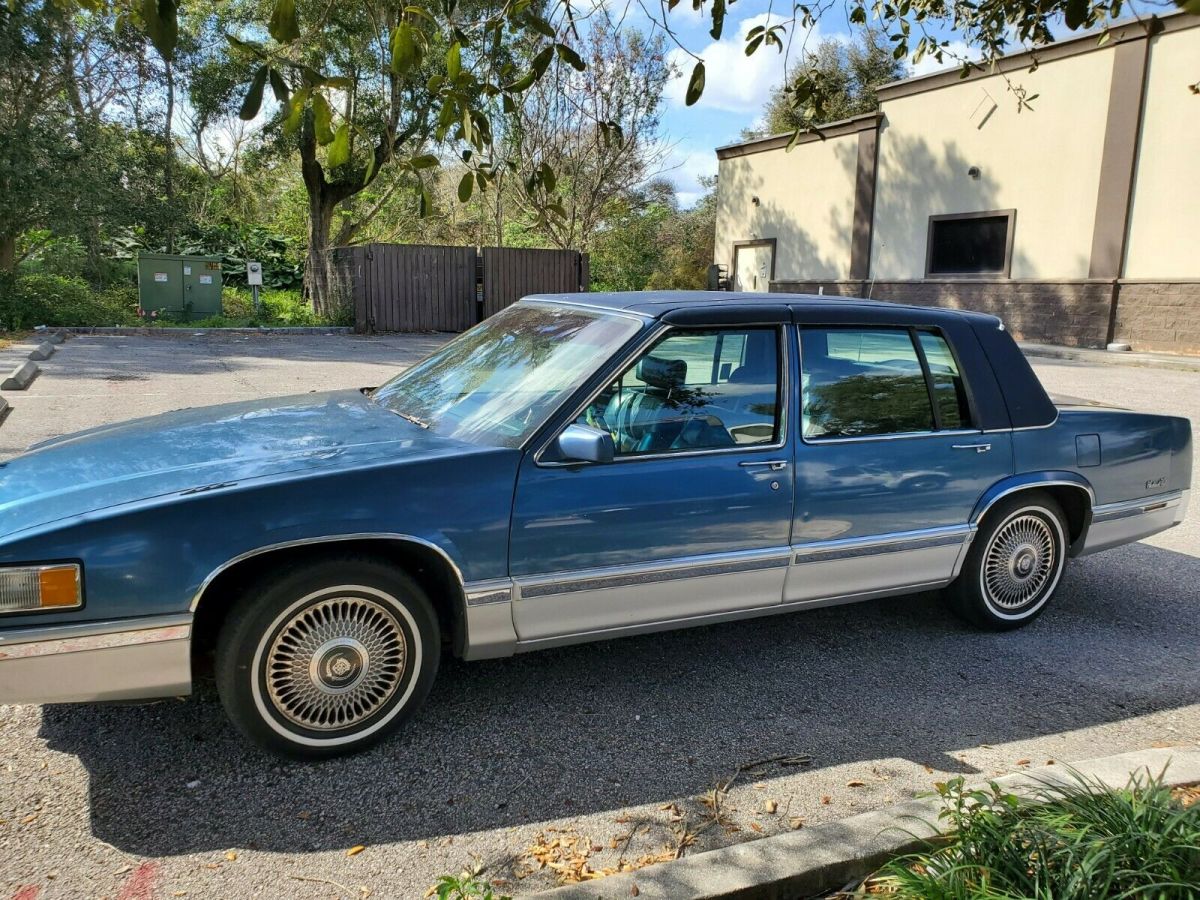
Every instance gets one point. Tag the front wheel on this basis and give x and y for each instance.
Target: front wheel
(1014, 563)
(328, 658)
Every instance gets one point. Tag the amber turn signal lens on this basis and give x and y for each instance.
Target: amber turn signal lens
(60, 586)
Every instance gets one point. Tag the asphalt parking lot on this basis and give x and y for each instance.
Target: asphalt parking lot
(610, 748)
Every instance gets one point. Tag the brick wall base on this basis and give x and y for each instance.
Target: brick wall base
(1161, 316)
(1073, 313)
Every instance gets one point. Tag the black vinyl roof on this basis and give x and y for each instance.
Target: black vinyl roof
(814, 307)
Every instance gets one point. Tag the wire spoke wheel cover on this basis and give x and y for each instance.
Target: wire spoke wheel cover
(335, 663)
(1020, 561)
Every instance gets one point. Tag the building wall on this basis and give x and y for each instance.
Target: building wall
(1165, 214)
(806, 202)
(1044, 163)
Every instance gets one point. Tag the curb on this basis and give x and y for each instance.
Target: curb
(42, 351)
(4, 408)
(18, 379)
(183, 332)
(826, 857)
(1113, 358)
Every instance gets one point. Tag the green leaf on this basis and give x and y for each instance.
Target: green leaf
(466, 187)
(248, 47)
(278, 86)
(548, 177)
(540, 25)
(718, 19)
(1189, 6)
(338, 82)
(752, 44)
(570, 57)
(160, 19)
(522, 84)
(454, 61)
(695, 85)
(322, 119)
(284, 26)
(404, 49)
(339, 150)
(253, 101)
(295, 113)
(1075, 13)
(425, 161)
(370, 169)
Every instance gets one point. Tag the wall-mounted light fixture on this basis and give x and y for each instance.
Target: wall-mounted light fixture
(755, 200)
(974, 172)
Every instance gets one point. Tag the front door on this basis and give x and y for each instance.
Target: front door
(890, 465)
(753, 265)
(693, 516)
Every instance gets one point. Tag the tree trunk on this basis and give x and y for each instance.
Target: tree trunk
(8, 252)
(318, 270)
(169, 159)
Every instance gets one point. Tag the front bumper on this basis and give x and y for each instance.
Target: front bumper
(128, 659)
(1123, 523)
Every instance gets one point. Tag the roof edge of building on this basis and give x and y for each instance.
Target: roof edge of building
(1119, 32)
(852, 125)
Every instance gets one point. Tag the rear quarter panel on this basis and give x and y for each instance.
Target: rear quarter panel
(1140, 454)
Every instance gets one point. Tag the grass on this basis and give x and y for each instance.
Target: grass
(1079, 842)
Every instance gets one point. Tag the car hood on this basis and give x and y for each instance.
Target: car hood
(194, 450)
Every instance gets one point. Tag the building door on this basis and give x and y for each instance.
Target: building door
(753, 265)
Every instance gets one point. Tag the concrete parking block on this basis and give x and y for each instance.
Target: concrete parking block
(20, 377)
(57, 337)
(3, 409)
(813, 861)
(44, 350)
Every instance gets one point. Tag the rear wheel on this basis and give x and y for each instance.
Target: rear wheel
(327, 658)
(1014, 564)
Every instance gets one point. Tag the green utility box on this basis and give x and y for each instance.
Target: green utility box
(179, 287)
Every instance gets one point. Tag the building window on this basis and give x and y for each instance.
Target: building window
(971, 244)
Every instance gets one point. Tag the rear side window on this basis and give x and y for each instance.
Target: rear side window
(864, 382)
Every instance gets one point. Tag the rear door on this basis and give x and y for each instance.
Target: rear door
(890, 463)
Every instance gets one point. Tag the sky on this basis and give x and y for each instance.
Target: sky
(737, 87)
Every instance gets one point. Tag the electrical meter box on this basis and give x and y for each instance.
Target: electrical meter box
(179, 287)
(254, 273)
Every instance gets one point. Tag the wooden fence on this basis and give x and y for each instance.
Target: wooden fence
(417, 287)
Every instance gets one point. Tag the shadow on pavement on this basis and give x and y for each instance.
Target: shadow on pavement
(604, 726)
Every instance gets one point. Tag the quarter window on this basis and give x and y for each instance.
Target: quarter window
(694, 390)
(867, 382)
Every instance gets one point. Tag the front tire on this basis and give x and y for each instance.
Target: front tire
(1014, 564)
(328, 658)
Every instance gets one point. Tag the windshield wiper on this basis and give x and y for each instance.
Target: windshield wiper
(418, 422)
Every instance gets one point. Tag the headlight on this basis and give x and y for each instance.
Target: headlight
(31, 588)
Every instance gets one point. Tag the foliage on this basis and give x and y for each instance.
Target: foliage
(464, 887)
(237, 243)
(1083, 841)
(279, 309)
(846, 76)
(648, 242)
(29, 300)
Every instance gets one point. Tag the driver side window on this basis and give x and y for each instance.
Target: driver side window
(694, 390)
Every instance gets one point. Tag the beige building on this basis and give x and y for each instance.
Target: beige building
(1076, 221)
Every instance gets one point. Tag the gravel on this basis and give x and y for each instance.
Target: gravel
(619, 741)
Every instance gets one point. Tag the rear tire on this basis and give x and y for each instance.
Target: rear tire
(1014, 563)
(328, 658)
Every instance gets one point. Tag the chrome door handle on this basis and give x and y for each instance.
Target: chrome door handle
(773, 464)
(978, 448)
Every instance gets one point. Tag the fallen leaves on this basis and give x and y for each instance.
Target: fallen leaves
(570, 857)
(770, 806)
(230, 855)
(1186, 795)
(1022, 762)
(854, 782)
(355, 850)
(795, 823)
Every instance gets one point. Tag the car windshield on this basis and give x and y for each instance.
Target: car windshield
(497, 383)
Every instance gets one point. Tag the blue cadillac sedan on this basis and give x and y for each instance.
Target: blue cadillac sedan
(577, 467)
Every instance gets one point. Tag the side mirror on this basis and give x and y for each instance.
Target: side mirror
(579, 443)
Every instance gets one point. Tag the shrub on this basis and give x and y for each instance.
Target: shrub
(35, 299)
(1082, 841)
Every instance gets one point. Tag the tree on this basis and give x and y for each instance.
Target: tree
(566, 125)
(847, 75)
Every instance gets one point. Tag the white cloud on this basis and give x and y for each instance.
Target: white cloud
(686, 165)
(735, 82)
(953, 55)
